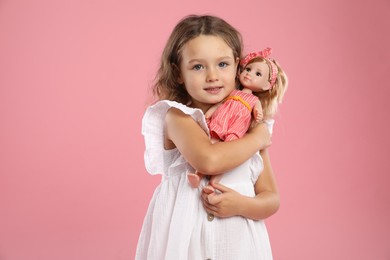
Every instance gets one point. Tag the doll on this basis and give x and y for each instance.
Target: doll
(230, 119)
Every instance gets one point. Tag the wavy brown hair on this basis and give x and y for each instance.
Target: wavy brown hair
(166, 84)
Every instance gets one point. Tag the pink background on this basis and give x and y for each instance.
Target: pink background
(74, 82)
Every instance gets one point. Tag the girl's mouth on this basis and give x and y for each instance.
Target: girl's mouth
(213, 90)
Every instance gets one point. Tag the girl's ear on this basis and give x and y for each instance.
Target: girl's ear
(180, 80)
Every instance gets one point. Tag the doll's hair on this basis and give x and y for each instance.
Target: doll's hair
(166, 85)
(270, 99)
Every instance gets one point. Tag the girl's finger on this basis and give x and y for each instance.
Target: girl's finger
(208, 206)
(211, 209)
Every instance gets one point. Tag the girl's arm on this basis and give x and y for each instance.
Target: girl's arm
(231, 203)
(182, 132)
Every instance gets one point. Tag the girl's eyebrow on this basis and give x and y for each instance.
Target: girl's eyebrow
(220, 58)
(226, 58)
(195, 60)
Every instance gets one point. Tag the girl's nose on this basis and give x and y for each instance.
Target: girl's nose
(212, 75)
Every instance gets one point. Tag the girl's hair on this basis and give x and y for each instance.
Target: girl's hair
(166, 84)
(270, 99)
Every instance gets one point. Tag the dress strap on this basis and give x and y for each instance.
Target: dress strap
(238, 98)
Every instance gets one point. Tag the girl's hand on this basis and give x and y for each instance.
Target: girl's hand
(224, 204)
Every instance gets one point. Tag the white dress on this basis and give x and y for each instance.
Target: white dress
(176, 226)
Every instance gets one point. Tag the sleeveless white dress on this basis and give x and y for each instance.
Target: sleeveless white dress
(176, 226)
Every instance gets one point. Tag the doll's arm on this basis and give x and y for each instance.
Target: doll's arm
(194, 144)
(211, 110)
(258, 111)
(231, 203)
(194, 178)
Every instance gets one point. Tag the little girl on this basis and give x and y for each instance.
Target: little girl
(230, 119)
(198, 70)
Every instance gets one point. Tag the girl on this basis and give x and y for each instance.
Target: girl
(260, 77)
(198, 69)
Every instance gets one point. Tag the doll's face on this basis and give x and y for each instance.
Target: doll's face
(255, 76)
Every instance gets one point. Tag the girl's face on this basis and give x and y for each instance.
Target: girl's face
(207, 70)
(255, 76)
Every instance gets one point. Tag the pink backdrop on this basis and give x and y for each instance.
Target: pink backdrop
(74, 82)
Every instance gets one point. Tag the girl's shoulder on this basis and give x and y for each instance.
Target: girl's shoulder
(157, 112)
(153, 132)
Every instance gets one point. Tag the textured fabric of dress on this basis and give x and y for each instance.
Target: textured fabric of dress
(176, 226)
(232, 118)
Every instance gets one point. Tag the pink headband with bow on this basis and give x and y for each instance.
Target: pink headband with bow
(263, 54)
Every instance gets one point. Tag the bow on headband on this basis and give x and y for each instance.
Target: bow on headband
(262, 54)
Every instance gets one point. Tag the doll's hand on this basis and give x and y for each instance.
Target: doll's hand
(211, 111)
(258, 115)
(224, 204)
(208, 114)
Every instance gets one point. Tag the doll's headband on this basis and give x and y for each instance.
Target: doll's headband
(263, 54)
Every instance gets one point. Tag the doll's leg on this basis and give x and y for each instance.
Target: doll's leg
(194, 179)
(214, 179)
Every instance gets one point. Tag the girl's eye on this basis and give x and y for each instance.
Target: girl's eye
(223, 64)
(258, 74)
(197, 67)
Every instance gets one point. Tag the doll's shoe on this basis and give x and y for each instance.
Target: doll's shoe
(193, 179)
(208, 189)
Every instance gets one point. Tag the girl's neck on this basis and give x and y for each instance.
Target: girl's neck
(203, 107)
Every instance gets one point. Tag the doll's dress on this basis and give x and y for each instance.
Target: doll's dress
(176, 226)
(232, 118)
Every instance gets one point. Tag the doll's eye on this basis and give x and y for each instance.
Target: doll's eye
(258, 74)
(248, 69)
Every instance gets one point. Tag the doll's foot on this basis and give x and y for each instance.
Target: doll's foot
(208, 189)
(193, 179)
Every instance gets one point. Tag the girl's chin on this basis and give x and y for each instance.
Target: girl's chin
(215, 101)
(208, 102)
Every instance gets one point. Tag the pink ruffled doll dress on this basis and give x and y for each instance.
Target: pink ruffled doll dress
(232, 118)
